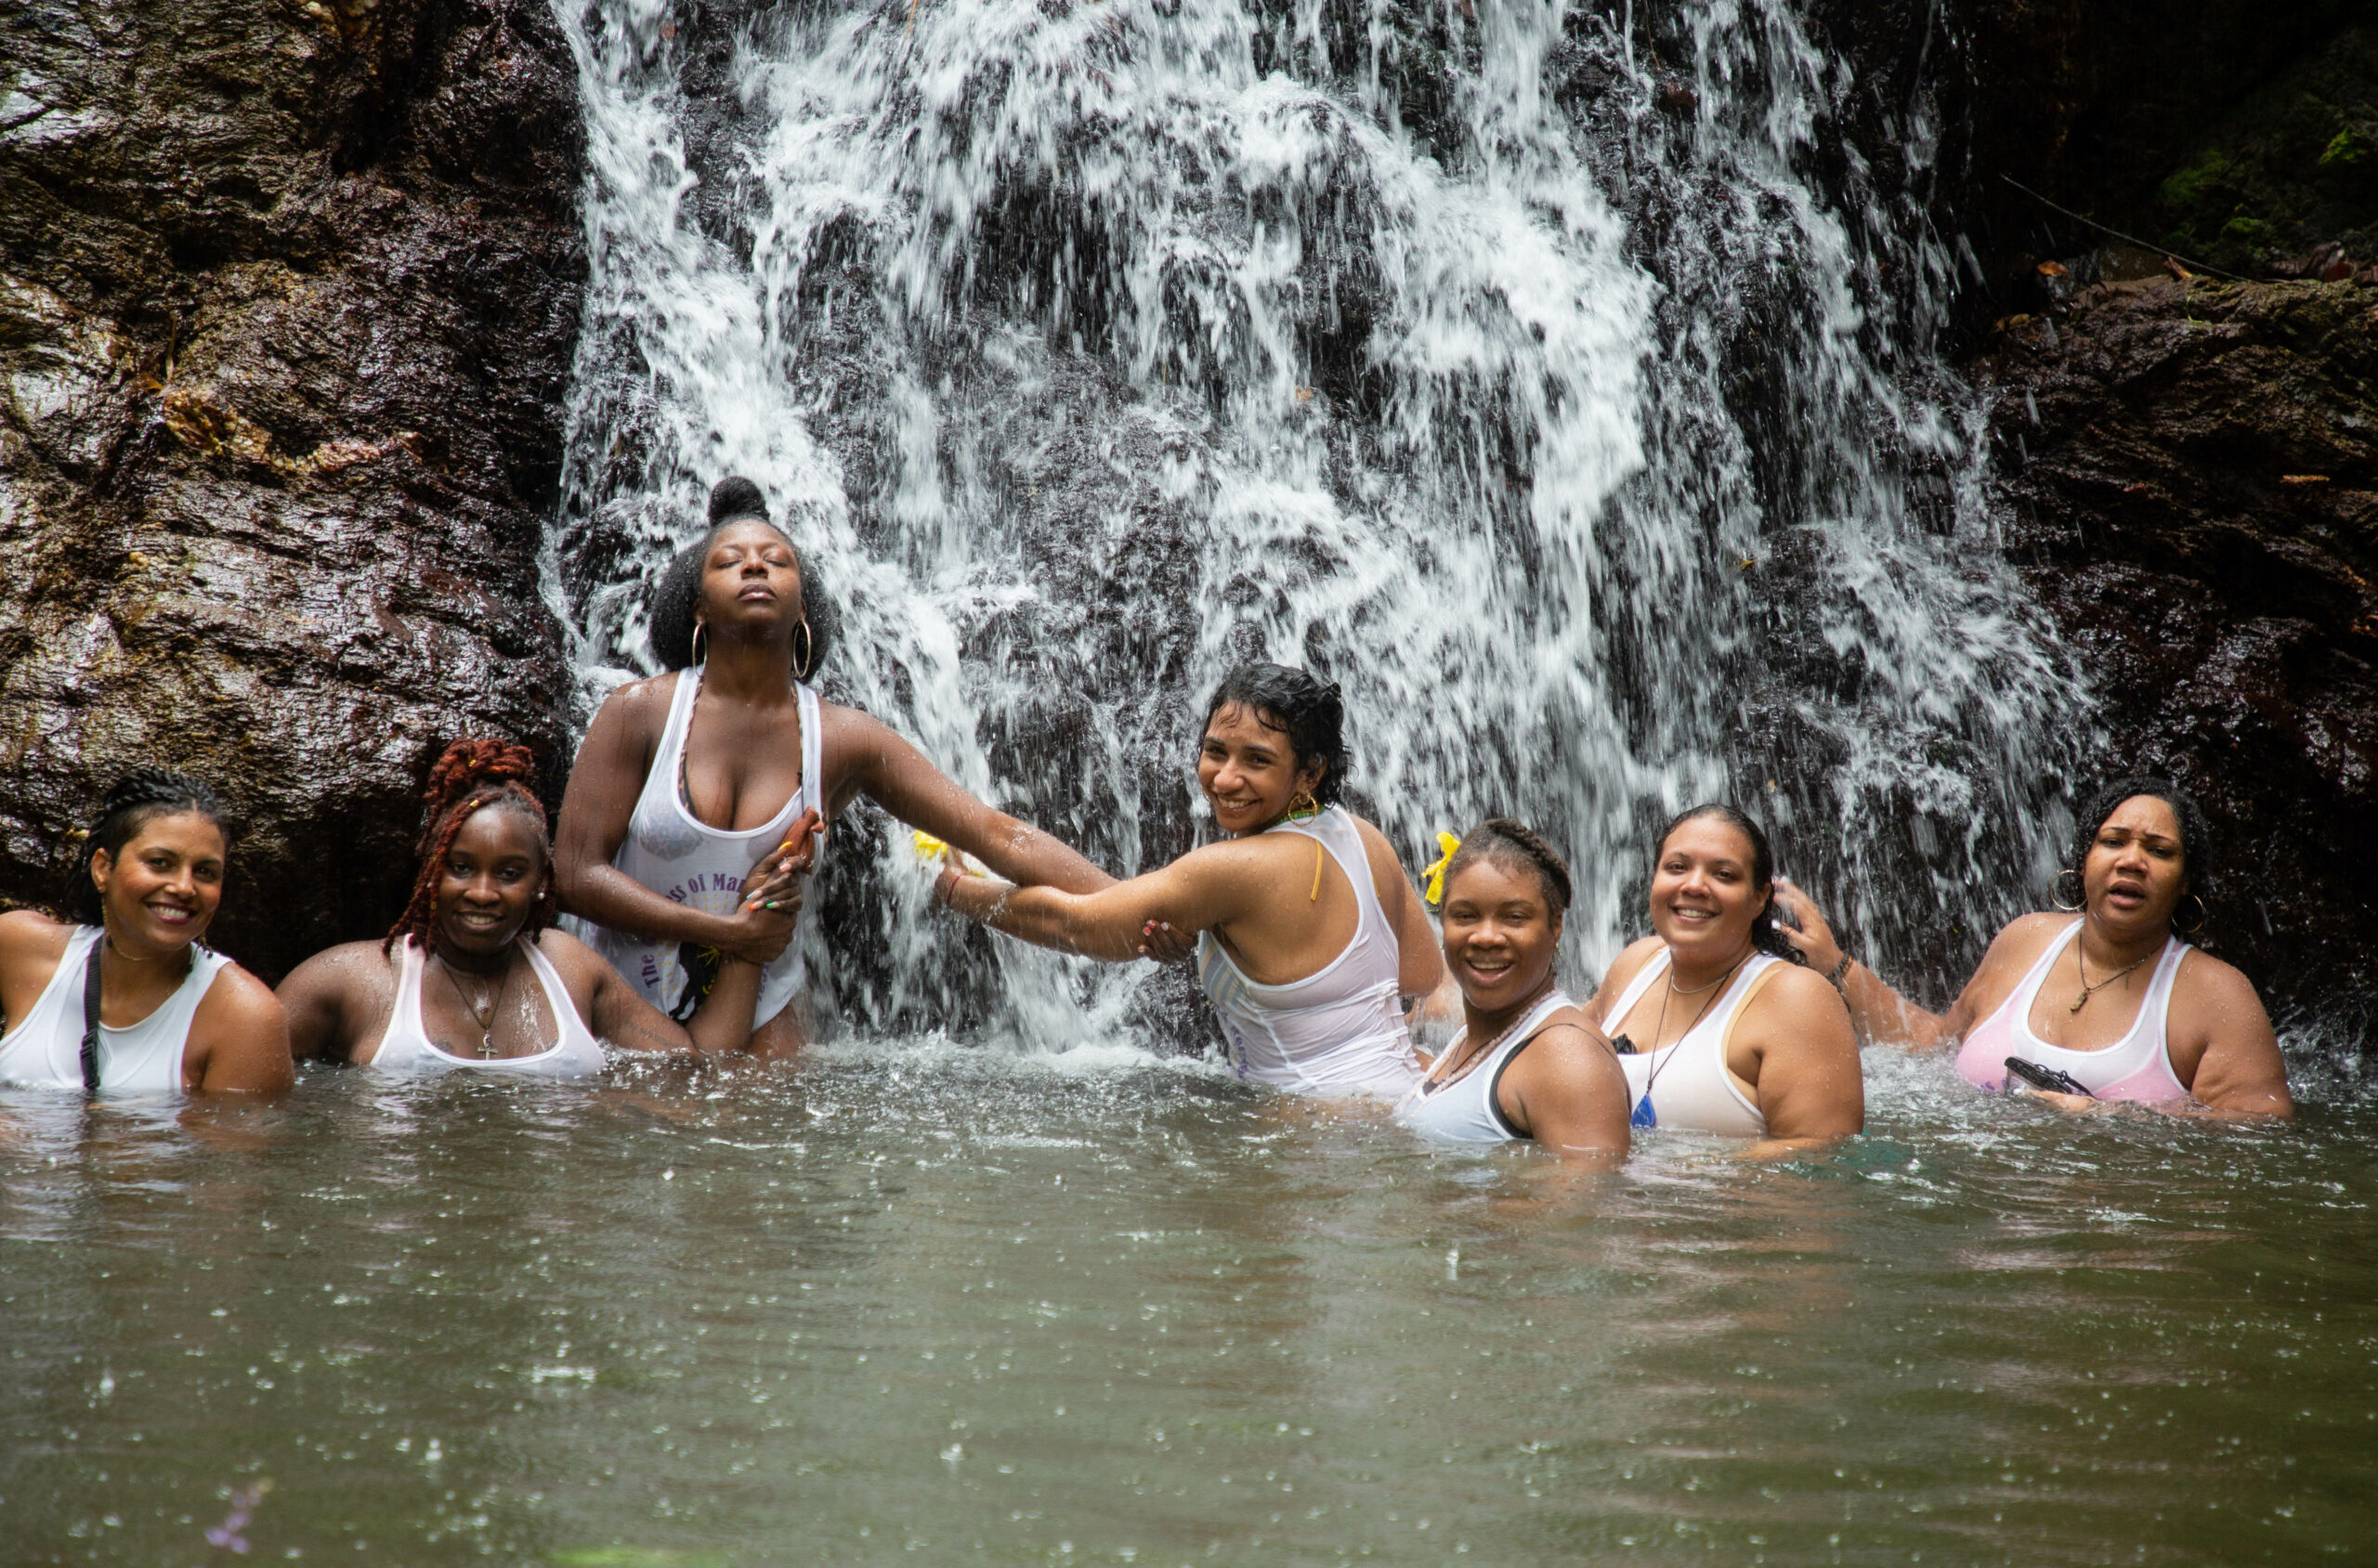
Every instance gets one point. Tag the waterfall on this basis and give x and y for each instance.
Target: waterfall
(1527, 372)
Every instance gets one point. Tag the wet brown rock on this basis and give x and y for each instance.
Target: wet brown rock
(2191, 476)
(287, 298)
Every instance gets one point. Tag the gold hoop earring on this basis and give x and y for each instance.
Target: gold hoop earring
(2203, 914)
(2080, 899)
(697, 650)
(1302, 808)
(808, 660)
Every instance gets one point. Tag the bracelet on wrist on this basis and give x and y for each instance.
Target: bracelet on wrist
(1840, 971)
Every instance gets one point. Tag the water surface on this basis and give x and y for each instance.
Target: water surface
(921, 1303)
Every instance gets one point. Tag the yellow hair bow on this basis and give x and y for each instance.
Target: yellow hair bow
(1435, 872)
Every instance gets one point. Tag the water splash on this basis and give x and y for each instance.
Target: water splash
(1554, 401)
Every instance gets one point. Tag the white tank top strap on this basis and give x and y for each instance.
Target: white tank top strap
(1686, 1085)
(2136, 1066)
(1339, 1030)
(45, 1049)
(681, 857)
(405, 1046)
(1466, 1109)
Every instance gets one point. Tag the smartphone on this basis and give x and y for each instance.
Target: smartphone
(2045, 1077)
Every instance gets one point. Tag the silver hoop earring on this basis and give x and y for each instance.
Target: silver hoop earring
(697, 643)
(808, 653)
(2080, 898)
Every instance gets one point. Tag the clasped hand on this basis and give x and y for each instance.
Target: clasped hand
(769, 909)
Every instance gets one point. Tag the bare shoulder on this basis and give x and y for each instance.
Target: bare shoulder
(1625, 967)
(641, 707)
(237, 1000)
(1381, 853)
(34, 935)
(573, 958)
(1797, 992)
(1570, 1047)
(2207, 982)
(2020, 939)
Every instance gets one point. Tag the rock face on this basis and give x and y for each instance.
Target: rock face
(287, 300)
(2190, 471)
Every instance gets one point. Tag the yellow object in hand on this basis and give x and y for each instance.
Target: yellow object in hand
(1435, 871)
(931, 848)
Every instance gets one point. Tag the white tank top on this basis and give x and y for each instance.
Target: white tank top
(47, 1049)
(1465, 1110)
(2137, 1067)
(406, 1047)
(1686, 1085)
(1340, 1030)
(675, 855)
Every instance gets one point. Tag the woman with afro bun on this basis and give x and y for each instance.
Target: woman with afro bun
(473, 975)
(732, 758)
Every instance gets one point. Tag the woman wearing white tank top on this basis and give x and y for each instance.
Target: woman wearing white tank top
(128, 1000)
(1528, 1063)
(1309, 932)
(2102, 992)
(685, 779)
(1714, 1032)
(472, 976)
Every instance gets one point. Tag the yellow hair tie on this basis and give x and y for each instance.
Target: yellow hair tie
(1435, 872)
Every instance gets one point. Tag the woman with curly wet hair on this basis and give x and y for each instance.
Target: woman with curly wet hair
(2102, 1001)
(473, 974)
(126, 998)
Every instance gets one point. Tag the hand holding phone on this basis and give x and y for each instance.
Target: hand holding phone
(2047, 1079)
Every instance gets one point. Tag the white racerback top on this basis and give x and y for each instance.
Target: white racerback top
(406, 1047)
(681, 857)
(47, 1049)
(2137, 1067)
(1686, 1085)
(1340, 1030)
(1465, 1110)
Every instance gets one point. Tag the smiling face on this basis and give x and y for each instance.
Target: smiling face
(2135, 870)
(489, 886)
(751, 582)
(160, 890)
(1248, 770)
(1704, 896)
(1500, 933)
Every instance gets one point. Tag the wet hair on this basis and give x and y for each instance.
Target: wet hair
(1763, 934)
(1310, 715)
(2196, 875)
(132, 802)
(1507, 842)
(472, 773)
(677, 596)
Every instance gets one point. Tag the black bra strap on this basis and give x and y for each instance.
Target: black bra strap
(91, 1017)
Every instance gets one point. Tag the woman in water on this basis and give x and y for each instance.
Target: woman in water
(127, 1000)
(473, 977)
(1718, 1027)
(1309, 934)
(686, 780)
(2105, 992)
(1528, 1063)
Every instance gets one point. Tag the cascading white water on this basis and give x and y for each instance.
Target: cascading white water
(1593, 448)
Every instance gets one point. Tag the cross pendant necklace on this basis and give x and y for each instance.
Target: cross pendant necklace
(482, 1015)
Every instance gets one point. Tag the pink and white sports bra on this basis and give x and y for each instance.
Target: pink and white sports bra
(2137, 1067)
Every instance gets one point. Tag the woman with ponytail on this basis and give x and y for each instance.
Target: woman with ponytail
(687, 779)
(1719, 1026)
(126, 999)
(1309, 932)
(473, 974)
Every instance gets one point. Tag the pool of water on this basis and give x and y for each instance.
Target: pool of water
(923, 1303)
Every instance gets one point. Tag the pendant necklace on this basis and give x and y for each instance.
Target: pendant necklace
(483, 1014)
(2088, 990)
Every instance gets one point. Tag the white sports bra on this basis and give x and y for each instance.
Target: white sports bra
(1465, 1110)
(678, 855)
(1686, 1085)
(47, 1049)
(1340, 1030)
(406, 1046)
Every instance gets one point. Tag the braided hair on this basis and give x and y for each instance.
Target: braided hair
(132, 802)
(472, 773)
(1300, 705)
(678, 596)
(1507, 842)
(1763, 934)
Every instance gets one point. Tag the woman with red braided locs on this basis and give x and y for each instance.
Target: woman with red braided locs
(473, 973)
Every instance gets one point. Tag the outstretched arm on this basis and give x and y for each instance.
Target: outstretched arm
(721, 1025)
(876, 761)
(1201, 890)
(1878, 1013)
